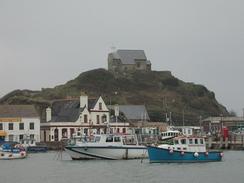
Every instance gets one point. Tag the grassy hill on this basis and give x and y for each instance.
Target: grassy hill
(160, 91)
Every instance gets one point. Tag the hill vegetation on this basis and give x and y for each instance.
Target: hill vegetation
(160, 91)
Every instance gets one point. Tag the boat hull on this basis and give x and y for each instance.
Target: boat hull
(11, 155)
(161, 155)
(106, 152)
(36, 149)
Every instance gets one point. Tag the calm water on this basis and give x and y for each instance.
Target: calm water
(45, 168)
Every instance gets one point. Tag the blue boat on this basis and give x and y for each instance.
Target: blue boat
(183, 150)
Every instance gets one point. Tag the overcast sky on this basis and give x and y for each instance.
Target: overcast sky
(48, 42)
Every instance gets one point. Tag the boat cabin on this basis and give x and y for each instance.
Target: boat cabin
(105, 139)
(190, 144)
(170, 134)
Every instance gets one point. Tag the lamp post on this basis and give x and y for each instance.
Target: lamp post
(221, 123)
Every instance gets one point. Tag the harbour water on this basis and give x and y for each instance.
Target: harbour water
(50, 168)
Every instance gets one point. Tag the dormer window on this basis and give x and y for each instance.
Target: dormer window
(100, 106)
(85, 118)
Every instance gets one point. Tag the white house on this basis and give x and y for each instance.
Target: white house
(18, 122)
(83, 116)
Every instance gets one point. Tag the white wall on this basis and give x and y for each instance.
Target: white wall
(26, 132)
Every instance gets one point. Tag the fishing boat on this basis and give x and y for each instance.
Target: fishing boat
(183, 149)
(106, 146)
(8, 152)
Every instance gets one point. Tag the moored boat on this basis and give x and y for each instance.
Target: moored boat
(183, 149)
(106, 146)
(8, 152)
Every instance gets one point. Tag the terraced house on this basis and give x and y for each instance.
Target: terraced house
(75, 116)
(18, 122)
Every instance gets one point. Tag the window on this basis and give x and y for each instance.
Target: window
(116, 139)
(21, 137)
(100, 106)
(124, 130)
(10, 126)
(11, 137)
(32, 138)
(104, 118)
(176, 142)
(97, 139)
(190, 141)
(32, 126)
(1, 126)
(201, 141)
(86, 131)
(98, 119)
(138, 65)
(109, 139)
(196, 141)
(183, 141)
(85, 118)
(21, 126)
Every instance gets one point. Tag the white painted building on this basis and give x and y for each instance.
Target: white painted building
(82, 116)
(19, 122)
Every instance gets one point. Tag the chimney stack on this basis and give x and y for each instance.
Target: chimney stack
(83, 100)
(48, 114)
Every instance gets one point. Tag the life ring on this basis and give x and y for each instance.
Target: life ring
(196, 154)
(182, 153)
(206, 153)
(221, 154)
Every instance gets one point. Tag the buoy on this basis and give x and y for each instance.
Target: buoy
(171, 151)
(206, 153)
(182, 153)
(196, 154)
(22, 153)
(221, 154)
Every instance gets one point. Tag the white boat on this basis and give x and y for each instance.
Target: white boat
(7, 152)
(106, 146)
(170, 133)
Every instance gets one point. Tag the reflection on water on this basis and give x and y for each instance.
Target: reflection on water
(45, 168)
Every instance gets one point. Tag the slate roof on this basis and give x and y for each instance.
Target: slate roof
(133, 112)
(18, 111)
(129, 56)
(68, 110)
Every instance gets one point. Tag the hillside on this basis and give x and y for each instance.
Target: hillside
(160, 91)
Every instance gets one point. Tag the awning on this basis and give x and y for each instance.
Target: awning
(3, 133)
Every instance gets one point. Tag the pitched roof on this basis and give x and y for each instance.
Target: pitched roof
(18, 111)
(129, 56)
(69, 110)
(66, 110)
(133, 112)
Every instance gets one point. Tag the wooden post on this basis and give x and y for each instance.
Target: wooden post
(221, 142)
(226, 143)
(209, 142)
(242, 140)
